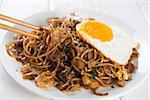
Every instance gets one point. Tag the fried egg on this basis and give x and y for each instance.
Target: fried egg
(111, 41)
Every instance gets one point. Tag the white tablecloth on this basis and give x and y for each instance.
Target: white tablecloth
(131, 11)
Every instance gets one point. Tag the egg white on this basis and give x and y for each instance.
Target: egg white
(119, 49)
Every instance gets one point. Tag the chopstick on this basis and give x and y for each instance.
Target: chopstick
(21, 32)
(16, 21)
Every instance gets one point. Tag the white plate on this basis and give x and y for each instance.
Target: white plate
(11, 65)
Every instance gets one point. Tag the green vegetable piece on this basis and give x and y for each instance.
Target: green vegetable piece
(65, 48)
(94, 74)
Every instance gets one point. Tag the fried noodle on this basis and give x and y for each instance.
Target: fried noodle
(60, 58)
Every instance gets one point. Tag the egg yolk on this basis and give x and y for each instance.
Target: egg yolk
(97, 30)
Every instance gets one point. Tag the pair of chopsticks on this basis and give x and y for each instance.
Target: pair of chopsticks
(16, 21)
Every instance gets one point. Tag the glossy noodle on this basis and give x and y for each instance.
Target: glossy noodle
(60, 58)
